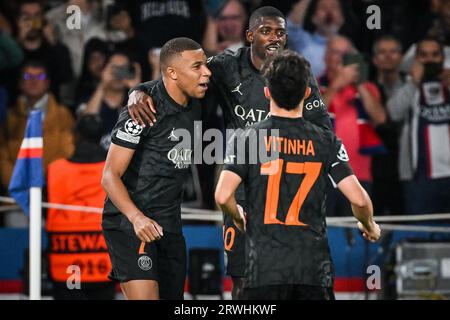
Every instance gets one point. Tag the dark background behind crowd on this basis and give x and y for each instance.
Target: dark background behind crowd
(394, 119)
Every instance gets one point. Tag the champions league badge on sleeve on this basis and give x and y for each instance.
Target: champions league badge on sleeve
(133, 128)
(131, 133)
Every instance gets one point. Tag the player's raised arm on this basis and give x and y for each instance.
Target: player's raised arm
(140, 105)
(117, 162)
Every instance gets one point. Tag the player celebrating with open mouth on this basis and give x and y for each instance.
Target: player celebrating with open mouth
(237, 86)
(142, 214)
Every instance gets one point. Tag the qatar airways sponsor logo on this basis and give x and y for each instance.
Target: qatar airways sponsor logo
(181, 158)
(245, 146)
(254, 115)
(181, 153)
(251, 115)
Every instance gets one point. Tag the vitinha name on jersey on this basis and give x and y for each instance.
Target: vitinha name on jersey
(251, 116)
(254, 115)
(181, 153)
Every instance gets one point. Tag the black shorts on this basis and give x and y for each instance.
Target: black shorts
(234, 244)
(288, 292)
(163, 261)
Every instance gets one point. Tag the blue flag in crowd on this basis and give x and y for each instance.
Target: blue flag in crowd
(28, 169)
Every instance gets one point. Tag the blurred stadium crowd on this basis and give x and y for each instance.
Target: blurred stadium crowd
(387, 89)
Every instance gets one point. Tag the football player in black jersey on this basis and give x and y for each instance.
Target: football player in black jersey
(238, 87)
(143, 177)
(287, 253)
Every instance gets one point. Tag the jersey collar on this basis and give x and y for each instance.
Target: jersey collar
(172, 103)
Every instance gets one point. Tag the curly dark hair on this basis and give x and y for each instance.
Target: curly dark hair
(287, 76)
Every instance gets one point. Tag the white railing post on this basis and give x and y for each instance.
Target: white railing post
(35, 243)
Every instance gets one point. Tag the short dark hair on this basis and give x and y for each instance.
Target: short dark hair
(431, 39)
(175, 47)
(264, 12)
(89, 127)
(386, 37)
(35, 64)
(287, 76)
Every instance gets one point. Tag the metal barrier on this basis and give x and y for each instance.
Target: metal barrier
(216, 216)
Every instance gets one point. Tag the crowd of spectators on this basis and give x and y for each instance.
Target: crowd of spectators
(387, 89)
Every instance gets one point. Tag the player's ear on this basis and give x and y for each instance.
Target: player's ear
(267, 92)
(171, 73)
(307, 93)
(249, 35)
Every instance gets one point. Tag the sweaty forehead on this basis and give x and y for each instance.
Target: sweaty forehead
(272, 22)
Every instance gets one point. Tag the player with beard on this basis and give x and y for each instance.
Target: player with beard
(237, 86)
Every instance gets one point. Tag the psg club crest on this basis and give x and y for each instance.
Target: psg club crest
(145, 263)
